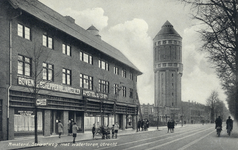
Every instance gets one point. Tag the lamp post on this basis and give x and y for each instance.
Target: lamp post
(157, 117)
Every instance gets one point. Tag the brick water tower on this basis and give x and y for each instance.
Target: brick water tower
(168, 70)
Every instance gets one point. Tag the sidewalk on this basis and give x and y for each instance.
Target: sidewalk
(23, 142)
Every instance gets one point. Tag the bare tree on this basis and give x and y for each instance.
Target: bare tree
(212, 102)
(220, 37)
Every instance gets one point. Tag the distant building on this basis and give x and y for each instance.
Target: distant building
(168, 70)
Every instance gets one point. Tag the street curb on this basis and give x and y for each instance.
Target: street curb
(89, 139)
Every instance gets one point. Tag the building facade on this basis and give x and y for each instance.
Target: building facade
(168, 69)
(56, 70)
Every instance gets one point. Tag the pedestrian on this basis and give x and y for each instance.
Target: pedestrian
(229, 124)
(113, 131)
(93, 130)
(116, 128)
(172, 125)
(147, 124)
(69, 124)
(169, 126)
(142, 124)
(60, 128)
(138, 125)
(74, 131)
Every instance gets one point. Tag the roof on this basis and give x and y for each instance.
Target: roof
(51, 17)
(167, 31)
(92, 28)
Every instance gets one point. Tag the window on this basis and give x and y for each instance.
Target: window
(66, 49)
(48, 72)
(103, 65)
(116, 70)
(66, 76)
(124, 91)
(116, 89)
(131, 93)
(131, 75)
(86, 82)
(24, 31)
(86, 58)
(103, 86)
(123, 73)
(24, 65)
(47, 41)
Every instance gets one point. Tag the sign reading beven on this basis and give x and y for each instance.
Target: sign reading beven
(48, 86)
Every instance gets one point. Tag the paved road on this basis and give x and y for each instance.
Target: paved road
(193, 137)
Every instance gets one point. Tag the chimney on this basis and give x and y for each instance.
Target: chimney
(70, 19)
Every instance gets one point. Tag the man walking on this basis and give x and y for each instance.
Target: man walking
(74, 130)
(138, 125)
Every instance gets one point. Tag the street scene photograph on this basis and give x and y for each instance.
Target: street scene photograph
(119, 74)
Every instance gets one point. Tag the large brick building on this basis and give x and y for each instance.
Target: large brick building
(77, 75)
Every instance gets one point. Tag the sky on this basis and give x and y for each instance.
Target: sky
(131, 25)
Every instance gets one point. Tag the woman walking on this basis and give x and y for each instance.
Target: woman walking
(60, 128)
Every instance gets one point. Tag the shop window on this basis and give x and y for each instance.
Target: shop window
(23, 31)
(66, 76)
(24, 121)
(48, 72)
(24, 65)
(86, 82)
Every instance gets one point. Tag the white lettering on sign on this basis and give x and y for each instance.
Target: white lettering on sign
(41, 102)
(25, 113)
(93, 94)
(48, 86)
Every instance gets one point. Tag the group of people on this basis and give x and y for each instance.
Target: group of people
(229, 123)
(72, 129)
(143, 124)
(170, 125)
(105, 131)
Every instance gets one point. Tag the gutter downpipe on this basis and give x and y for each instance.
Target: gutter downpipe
(10, 76)
(10, 72)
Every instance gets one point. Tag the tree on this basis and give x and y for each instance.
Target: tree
(211, 102)
(37, 54)
(220, 37)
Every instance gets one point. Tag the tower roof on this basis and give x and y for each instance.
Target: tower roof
(92, 28)
(167, 31)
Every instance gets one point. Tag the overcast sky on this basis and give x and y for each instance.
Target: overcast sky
(131, 25)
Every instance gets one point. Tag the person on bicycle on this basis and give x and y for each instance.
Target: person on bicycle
(218, 122)
(229, 124)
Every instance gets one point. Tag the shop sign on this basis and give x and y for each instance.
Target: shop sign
(48, 86)
(94, 95)
(41, 102)
(25, 113)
